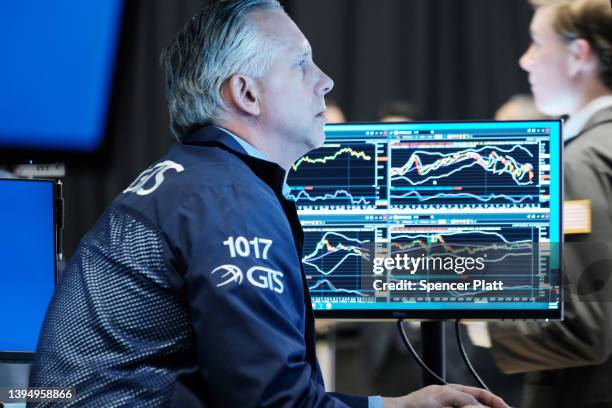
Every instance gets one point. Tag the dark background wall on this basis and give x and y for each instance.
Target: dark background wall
(456, 59)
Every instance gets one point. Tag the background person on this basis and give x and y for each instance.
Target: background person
(570, 71)
(519, 107)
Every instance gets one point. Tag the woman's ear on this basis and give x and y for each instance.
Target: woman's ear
(582, 57)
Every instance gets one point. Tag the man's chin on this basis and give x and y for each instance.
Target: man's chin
(317, 140)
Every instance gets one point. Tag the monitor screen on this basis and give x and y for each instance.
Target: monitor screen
(28, 261)
(433, 220)
(56, 79)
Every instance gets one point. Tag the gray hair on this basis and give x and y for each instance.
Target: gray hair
(216, 43)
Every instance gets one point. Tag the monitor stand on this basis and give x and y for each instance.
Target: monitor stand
(434, 349)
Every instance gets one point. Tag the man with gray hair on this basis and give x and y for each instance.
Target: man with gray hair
(190, 288)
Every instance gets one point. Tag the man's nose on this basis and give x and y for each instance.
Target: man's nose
(325, 83)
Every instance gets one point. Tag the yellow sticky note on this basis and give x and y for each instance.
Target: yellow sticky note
(577, 217)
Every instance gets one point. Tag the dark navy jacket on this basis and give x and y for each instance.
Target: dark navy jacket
(190, 286)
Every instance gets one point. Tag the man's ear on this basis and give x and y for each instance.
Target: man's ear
(582, 57)
(242, 92)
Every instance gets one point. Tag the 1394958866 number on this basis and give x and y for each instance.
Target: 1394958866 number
(241, 246)
(36, 394)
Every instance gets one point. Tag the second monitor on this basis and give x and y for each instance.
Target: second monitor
(433, 220)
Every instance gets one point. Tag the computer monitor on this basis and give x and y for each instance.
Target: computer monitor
(433, 220)
(27, 262)
(57, 76)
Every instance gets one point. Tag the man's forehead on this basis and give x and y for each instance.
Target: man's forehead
(281, 31)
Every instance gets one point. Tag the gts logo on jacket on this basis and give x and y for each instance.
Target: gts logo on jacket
(259, 276)
(157, 171)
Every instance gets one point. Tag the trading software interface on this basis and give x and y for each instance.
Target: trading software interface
(431, 216)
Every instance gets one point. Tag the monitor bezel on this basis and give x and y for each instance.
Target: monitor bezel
(471, 314)
(7, 356)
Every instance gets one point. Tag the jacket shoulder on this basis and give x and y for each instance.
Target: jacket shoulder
(188, 171)
(594, 146)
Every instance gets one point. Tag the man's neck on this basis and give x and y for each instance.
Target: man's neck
(270, 146)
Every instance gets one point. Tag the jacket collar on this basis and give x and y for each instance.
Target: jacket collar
(271, 173)
(587, 116)
(210, 133)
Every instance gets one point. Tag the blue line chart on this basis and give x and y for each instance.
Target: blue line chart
(338, 195)
(336, 258)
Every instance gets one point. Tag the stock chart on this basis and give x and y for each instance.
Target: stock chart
(331, 257)
(337, 176)
(421, 216)
(484, 173)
